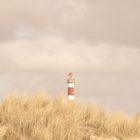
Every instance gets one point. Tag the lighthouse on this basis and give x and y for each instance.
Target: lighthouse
(71, 82)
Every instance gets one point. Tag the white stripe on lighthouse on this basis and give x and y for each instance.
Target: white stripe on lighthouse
(71, 85)
(71, 97)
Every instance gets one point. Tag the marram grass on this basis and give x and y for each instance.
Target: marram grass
(39, 117)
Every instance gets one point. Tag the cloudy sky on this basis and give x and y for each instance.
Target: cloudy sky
(42, 40)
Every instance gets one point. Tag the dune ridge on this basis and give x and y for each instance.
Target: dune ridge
(41, 117)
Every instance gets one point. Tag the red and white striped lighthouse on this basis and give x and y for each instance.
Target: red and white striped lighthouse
(71, 82)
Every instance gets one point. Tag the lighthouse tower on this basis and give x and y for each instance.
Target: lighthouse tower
(71, 82)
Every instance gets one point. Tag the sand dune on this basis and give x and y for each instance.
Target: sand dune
(40, 117)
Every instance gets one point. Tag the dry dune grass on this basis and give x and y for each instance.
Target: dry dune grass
(39, 117)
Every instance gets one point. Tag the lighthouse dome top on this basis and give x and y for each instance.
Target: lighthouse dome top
(71, 78)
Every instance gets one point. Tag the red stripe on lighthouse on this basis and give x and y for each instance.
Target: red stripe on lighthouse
(70, 91)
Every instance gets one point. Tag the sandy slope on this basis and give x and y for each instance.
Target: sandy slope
(40, 117)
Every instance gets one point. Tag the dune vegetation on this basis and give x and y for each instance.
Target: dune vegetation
(40, 117)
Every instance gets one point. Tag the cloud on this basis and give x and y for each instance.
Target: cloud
(58, 54)
(40, 41)
(92, 21)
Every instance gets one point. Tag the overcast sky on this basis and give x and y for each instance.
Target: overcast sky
(99, 40)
